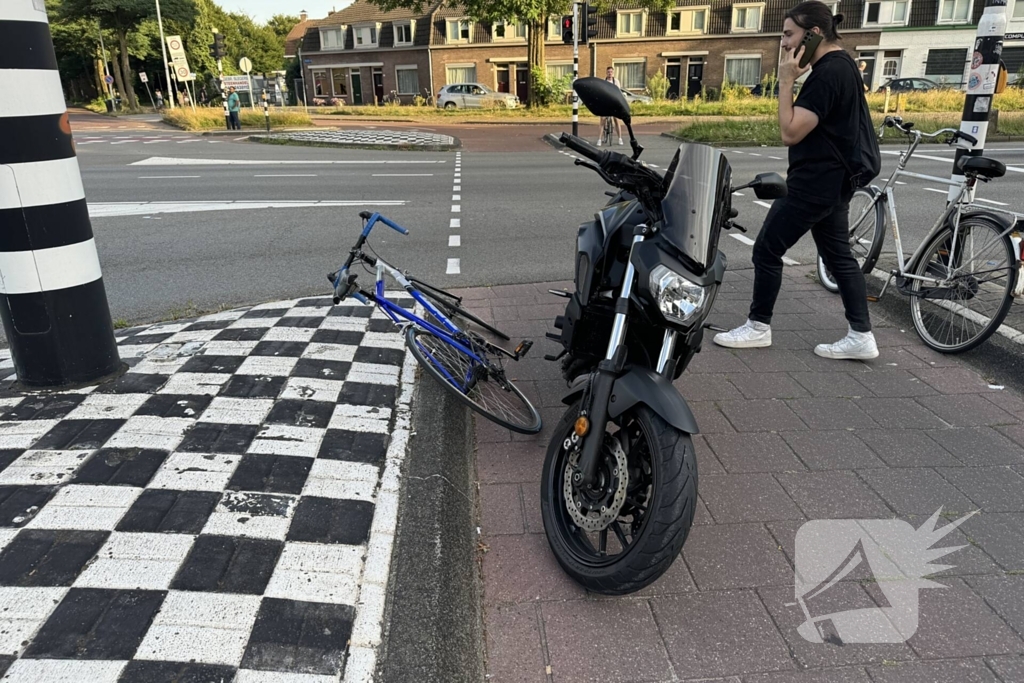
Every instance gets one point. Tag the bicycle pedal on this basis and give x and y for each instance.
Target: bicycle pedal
(523, 348)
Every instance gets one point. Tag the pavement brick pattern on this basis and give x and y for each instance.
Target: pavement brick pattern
(786, 437)
(206, 516)
(404, 138)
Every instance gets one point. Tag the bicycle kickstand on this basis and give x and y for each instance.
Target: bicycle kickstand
(876, 299)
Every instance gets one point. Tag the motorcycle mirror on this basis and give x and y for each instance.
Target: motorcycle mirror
(602, 98)
(769, 186)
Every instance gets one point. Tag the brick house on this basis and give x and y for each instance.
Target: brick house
(360, 54)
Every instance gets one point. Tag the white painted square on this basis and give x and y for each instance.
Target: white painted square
(77, 506)
(195, 472)
(288, 440)
(366, 631)
(455, 223)
(340, 322)
(13, 401)
(211, 628)
(361, 419)
(373, 373)
(253, 676)
(229, 347)
(361, 665)
(43, 468)
(454, 240)
(137, 561)
(254, 322)
(272, 366)
(223, 315)
(237, 411)
(313, 389)
(342, 479)
(22, 612)
(205, 383)
(22, 434)
(289, 334)
(134, 350)
(254, 515)
(314, 572)
(456, 197)
(456, 188)
(456, 208)
(383, 340)
(64, 671)
(192, 336)
(149, 366)
(150, 431)
(167, 328)
(308, 312)
(274, 305)
(377, 566)
(108, 406)
(340, 352)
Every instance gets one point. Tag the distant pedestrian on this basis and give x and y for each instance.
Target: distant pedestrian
(234, 107)
(863, 66)
(202, 96)
(159, 99)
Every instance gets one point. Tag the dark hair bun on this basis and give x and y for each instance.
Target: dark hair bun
(837, 19)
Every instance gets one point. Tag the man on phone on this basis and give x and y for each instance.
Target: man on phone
(821, 129)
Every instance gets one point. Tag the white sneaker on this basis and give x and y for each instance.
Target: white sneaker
(750, 335)
(854, 346)
(620, 141)
(599, 142)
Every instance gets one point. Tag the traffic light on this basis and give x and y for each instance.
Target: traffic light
(590, 22)
(567, 29)
(217, 48)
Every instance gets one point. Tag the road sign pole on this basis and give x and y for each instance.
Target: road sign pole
(163, 51)
(107, 79)
(52, 300)
(575, 67)
(150, 93)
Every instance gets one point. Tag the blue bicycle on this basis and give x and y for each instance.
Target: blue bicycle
(460, 358)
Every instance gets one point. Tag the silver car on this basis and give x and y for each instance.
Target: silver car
(474, 96)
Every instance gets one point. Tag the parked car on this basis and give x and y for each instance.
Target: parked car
(909, 85)
(633, 97)
(474, 96)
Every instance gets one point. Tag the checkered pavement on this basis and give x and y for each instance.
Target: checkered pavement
(403, 138)
(221, 512)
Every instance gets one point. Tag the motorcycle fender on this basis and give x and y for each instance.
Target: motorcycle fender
(640, 385)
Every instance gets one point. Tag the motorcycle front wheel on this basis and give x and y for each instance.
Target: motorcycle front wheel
(624, 533)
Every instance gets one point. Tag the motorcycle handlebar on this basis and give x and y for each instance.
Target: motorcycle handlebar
(583, 147)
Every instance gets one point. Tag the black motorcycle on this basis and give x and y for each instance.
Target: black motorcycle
(619, 485)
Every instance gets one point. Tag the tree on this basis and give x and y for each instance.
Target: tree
(281, 25)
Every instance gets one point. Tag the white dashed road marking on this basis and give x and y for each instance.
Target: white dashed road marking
(742, 238)
(453, 267)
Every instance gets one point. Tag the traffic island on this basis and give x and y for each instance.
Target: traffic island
(364, 139)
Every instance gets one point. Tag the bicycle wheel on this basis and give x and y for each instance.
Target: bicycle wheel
(454, 312)
(976, 273)
(867, 232)
(481, 386)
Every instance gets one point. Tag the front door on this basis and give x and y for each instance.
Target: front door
(523, 83)
(694, 79)
(503, 79)
(672, 72)
(378, 85)
(357, 88)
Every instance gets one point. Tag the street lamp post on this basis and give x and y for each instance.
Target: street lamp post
(163, 51)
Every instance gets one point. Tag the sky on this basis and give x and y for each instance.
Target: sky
(261, 10)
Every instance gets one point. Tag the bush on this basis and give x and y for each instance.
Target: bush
(546, 90)
(213, 119)
(658, 86)
(419, 101)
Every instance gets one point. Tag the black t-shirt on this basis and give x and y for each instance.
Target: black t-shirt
(835, 92)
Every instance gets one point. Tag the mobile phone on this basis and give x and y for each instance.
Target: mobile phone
(810, 43)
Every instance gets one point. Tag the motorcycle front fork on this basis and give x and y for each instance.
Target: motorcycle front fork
(611, 367)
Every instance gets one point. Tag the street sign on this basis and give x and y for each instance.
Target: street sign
(180, 62)
(176, 47)
(239, 83)
(245, 64)
(182, 72)
(143, 77)
(108, 79)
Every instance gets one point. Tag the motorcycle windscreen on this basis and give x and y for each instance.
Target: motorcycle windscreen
(697, 201)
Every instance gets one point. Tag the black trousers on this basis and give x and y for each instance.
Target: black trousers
(236, 124)
(790, 219)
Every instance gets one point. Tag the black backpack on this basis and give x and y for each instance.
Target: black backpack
(865, 162)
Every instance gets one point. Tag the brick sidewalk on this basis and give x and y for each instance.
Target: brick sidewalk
(785, 437)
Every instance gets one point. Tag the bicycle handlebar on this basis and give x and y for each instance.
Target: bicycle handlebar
(908, 129)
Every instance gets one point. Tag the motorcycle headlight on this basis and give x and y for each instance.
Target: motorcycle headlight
(678, 298)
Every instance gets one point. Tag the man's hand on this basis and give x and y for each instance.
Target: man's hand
(789, 66)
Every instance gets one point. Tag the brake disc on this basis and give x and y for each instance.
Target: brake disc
(598, 515)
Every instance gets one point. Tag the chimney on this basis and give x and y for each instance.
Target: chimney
(303, 16)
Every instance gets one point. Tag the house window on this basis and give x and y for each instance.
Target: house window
(461, 74)
(631, 75)
(332, 39)
(559, 71)
(889, 13)
(746, 18)
(954, 11)
(1018, 9)
(687, 21)
(403, 34)
(555, 27)
(502, 30)
(891, 68)
(458, 31)
(630, 24)
(340, 82)
(743, 70)
(320, 83)
(408, 78)
(365, 36)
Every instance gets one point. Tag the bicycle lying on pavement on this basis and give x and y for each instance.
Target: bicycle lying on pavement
(458, 357)
(962, 277)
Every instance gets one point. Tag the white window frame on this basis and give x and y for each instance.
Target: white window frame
(371, 45)
(515, 26)
(687, 31)
(341, 34)
(411, 24)
(881, 13)
(630, 13)
(954, 20)
(324, 80)
(747, 6)
(398, 81)
(834, 6)
(548, 65)
(637, 60)
(555, 23)
(460, 65)
(448, 31)
(760, 64)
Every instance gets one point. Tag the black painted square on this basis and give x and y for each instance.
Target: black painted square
(211, 437)
(19, 504)
(299, 413)
(241, 334)
(212, 364)
(121, 467)
(313, 322)
(371, 354)
(9, 455)
(83, 435)
(42, 557)
(358, 393)
(133, 383)
(342, 444)
(95, 623)
(266, 313)
(347, 337)
(330, 520)
(144, 338)
(5, 663)
(207, 325)
(142, 671)
(280, 348)
(271, 474)
(351, 312)
(52, 407)
(167, 511)
(379, 325)
(175, 405)
(315, 302)
(253, 386)
(228, 564)
(323, 369)
(293, 636)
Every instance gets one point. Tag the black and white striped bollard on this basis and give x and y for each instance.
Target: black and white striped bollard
(52, 300)
(266, 109)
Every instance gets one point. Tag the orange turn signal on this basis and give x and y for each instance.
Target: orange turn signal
(582, 426)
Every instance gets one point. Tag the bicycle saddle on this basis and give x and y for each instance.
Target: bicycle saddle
(365, 215)
(989, 168)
